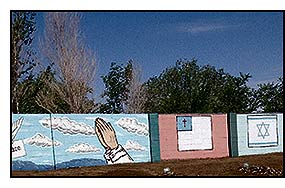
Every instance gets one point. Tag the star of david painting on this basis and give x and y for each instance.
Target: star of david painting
(262, 131)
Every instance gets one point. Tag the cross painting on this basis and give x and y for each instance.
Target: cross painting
(194, 133)
(262, 131)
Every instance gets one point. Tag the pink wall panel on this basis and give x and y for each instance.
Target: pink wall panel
(169, 142)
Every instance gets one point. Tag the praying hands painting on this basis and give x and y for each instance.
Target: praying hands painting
(114, 153)
(73, 140)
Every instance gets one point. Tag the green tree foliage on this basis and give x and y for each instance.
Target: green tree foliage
(116, 90)
(22, 60)
(29, 104)
(189, 88)
(269, 96)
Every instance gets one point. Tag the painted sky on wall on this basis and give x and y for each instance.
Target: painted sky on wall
(247, 42)
(78, 140)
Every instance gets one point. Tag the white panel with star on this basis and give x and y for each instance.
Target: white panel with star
(262, 131)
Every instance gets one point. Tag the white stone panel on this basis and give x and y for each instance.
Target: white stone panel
(262, 131)
(200, 138)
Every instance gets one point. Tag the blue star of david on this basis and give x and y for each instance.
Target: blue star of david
(260, 132)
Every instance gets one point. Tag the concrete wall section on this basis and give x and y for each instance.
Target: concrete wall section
(44, 141)
(31, 143)
(233, 136)
(259, 133)
(154, 137)
(184, 136)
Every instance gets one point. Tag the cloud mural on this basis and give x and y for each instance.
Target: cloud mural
(82, 148)
(133, 126)
(119, 138)
(133, 145)
(68, 126)
(41, 140)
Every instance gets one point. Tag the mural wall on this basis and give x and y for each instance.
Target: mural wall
(78, 140)
(256, 134)
(185, 136)
(54, 141)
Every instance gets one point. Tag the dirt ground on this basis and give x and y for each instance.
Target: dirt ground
(254, 165)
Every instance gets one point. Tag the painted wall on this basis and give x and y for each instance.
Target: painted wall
(101, 139)
(257, 134)
(117, 138)
(184, 136)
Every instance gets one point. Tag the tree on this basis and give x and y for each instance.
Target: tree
(22, 56)
(189, 88)
(270, 96)
(116, 90)
(35, 87)
(236, 95)
(136, 91)
(74, 65)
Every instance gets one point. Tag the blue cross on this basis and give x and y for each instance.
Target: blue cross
(184, 123)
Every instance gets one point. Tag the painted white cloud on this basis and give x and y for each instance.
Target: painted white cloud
(82, 148)
(41, 140)
(68, 126)
(133, 126)
(133, 145)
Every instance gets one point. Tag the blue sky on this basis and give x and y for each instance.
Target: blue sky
(247, 42)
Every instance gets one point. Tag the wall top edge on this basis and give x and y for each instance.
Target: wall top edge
(194, 114)
(262, 114)
(84, 114)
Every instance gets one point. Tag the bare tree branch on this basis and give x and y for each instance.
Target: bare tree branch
(137, 93)
(74, 63)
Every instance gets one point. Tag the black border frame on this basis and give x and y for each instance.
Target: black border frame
(185, 10)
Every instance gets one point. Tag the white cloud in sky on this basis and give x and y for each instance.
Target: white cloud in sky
(207, 28)
(133, 126)
(82, 148)
(133, 145)
(204, 26)
(68, 126)
(41, 140)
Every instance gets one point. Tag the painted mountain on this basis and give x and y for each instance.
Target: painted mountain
(28, 165)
